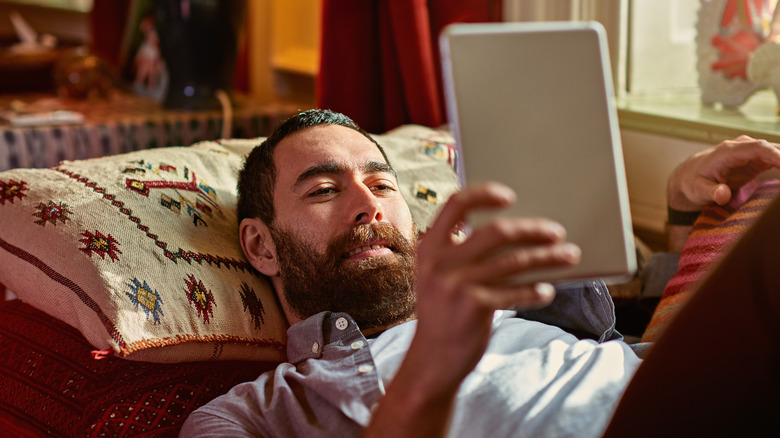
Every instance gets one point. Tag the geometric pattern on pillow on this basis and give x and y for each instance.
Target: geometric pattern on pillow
(426, 162)
(50, 384)
(140, 252)
(714, 231)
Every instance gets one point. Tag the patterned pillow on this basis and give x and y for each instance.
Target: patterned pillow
(426, 162)
(714, 231)
(50, 385)
(139, 251)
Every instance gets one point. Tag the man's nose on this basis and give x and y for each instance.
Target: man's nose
(366, 207)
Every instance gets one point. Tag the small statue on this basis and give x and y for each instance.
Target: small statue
(151, 76)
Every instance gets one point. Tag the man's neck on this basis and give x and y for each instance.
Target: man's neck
(374, 331)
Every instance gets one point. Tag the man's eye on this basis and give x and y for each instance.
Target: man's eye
(322, 192)
(384, 188)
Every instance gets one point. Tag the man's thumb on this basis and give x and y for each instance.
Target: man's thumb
(721, 194)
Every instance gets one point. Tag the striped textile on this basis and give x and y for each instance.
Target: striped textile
(712, 234)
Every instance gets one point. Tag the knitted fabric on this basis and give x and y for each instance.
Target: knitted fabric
(712, 234)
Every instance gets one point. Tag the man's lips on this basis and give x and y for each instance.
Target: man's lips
(369, 250)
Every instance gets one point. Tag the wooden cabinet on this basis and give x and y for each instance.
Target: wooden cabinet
(284, 41)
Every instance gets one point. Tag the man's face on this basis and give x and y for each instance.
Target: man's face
(343, 234)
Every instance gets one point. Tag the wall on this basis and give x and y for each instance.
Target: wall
(284, 49)
(649, 160)
(67, 25)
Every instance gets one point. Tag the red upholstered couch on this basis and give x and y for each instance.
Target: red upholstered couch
(50, 383)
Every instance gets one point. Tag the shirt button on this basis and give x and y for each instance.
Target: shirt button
(356, 345)
(315, 347)
(365, 369)
(342, 323)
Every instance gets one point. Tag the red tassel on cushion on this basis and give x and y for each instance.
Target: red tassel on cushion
(101, 354)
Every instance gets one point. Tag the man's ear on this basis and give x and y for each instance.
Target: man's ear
(258, 246)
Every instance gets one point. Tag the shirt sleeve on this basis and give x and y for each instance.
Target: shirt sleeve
(206, 424)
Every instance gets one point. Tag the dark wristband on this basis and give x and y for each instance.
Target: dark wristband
(677, 217)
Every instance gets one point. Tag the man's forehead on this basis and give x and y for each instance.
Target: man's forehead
(324, 144)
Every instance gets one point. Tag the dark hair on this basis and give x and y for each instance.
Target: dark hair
(257, 179)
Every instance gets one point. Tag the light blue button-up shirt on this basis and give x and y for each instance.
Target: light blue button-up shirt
(535, 378)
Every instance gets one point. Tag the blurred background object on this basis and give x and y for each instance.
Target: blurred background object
(211, 26)
(80, 74)
(27, 52)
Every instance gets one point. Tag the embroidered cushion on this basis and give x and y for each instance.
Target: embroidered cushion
(50, 385)
(139, 251)
(714, 231)
(426, 162)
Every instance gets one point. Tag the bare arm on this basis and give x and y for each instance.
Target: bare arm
(459, 287)
(677, 235)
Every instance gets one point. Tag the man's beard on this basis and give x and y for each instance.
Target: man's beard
(375, 292)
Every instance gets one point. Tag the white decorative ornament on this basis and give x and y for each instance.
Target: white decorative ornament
(764, 65)
(727, 33)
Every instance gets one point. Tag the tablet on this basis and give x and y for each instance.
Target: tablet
(532, 105)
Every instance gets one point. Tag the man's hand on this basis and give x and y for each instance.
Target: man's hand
(459, 286)
(714, 174)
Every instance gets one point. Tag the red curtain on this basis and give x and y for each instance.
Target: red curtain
(107, 25)
(380, 58)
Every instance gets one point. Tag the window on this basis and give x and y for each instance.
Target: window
(611, 13)
(662, 36)
(655, 48)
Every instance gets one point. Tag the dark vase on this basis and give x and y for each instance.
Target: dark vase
(199, 43)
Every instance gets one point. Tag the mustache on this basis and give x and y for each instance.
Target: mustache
(365, 234)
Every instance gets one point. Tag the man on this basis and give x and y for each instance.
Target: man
(321, 216)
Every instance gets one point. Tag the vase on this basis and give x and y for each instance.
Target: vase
(199, 44)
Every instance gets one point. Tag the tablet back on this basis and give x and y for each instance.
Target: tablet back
(532, 105)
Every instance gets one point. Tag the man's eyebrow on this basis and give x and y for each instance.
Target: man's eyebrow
(338, 169)
(376, 166)
(320, 169)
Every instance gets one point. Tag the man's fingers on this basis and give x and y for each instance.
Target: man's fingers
(529, 296)
(704, 191)
(711, 175)
(743, 151)
(505, 264)
(721, 194)
(482, 196)
(768, 152)
(505, 232)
